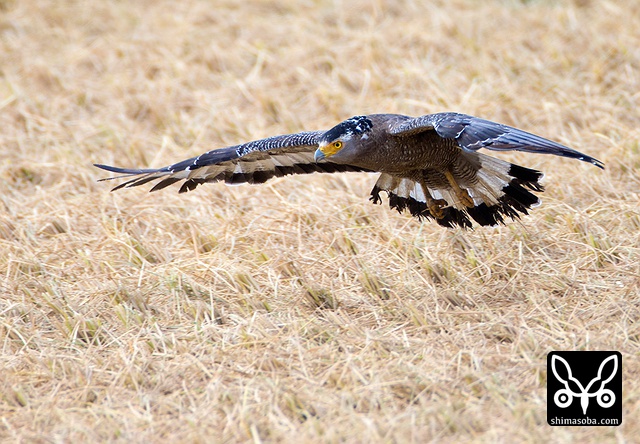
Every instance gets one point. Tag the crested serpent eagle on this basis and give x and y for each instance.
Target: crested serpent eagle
(429, 165)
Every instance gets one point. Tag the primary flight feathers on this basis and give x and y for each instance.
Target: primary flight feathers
(429, 164)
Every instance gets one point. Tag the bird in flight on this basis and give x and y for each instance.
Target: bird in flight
(429, 165)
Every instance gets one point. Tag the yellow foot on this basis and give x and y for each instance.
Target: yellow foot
(436, 207)
(464, 197)
(461, 194)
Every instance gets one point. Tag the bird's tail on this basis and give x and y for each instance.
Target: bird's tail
(502, 189)
(485, 190)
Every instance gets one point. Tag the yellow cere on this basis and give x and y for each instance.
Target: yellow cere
(332, 148)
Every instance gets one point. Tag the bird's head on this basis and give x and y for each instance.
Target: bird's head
(340, 143)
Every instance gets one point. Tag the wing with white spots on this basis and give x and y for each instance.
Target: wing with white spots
(251, 162)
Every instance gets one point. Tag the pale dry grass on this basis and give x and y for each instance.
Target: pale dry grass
(297, 310)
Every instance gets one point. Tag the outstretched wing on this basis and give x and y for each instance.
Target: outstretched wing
(473, 133)
(251, 162)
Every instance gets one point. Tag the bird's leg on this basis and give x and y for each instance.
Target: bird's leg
(463, 195)
(435, 205)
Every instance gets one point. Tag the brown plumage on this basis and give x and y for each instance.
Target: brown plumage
(430, 165)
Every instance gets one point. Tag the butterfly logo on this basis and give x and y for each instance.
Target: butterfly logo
(574, 388)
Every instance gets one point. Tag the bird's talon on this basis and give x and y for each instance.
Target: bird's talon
(436, 207)
(465, 198)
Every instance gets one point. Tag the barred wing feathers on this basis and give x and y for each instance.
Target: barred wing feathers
(251, 162)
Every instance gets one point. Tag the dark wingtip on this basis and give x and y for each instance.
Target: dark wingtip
(584, 158)
(596, 162)
(130, 173)
(107, 168)
(113, 169)
(104, 167)
(572, 154)
(117, 187)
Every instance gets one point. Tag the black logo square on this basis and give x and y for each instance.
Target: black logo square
(584, 388)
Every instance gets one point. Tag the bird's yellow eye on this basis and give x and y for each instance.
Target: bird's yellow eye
(331, 149)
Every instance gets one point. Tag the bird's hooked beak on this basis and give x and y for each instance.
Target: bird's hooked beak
(319, 155)
(327, 149)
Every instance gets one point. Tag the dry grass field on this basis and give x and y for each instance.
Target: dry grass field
(297, 310)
